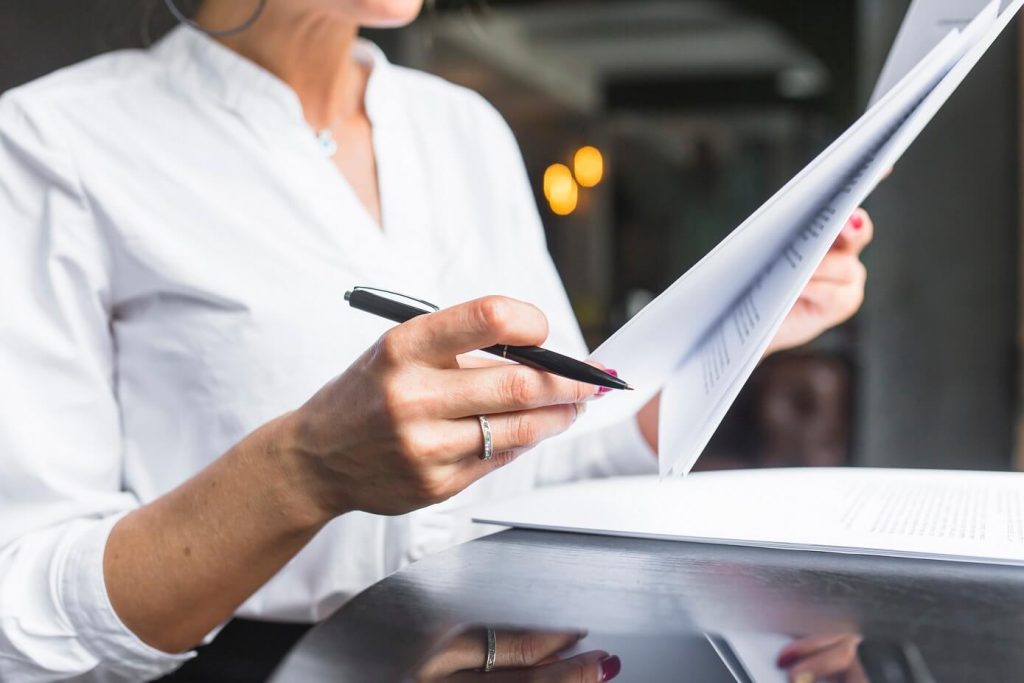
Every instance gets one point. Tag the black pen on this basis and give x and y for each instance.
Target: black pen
(401, 308)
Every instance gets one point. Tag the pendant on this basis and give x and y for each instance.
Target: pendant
(326, 141)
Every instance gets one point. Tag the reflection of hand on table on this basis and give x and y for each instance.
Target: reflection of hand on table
(824, 658)
(519, 656)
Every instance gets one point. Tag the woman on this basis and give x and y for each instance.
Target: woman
(178, 233)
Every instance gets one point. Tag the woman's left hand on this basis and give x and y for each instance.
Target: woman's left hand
(824, 658)
(833, 295)
(836, 290)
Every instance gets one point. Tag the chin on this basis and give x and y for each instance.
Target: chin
(386, 13)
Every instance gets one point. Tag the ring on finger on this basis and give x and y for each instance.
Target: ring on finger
(492, 650)
(485, 429)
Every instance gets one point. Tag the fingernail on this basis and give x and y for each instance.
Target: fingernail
(603, 390)
(786, 660)
(613, 373)
(610, 667)
(856, 221)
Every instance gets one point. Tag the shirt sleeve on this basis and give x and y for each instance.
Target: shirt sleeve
(612, 450)
(60, 436)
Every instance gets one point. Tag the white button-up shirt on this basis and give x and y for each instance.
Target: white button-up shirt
(174, 250)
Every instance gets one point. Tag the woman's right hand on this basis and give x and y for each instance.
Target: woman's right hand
(398, 430)
(519, 657)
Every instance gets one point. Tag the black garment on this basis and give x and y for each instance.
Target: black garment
(243, 652)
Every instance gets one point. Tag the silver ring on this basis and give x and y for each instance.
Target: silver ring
(492, 650)
(485, 427)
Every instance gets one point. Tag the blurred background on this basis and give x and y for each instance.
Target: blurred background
(652, 128)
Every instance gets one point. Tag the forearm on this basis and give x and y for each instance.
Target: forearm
(177, 568)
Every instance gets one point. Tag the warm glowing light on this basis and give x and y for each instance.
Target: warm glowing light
(564, 197)
(557, 178)
(589, 166)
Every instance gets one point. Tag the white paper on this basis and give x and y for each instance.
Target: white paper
(699, 342)
(926, 23)
(949, 515)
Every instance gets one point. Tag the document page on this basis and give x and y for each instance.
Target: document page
(926, 23)
(950, 515)
(699, 342)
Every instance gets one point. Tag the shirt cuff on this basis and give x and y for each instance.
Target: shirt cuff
(88, 609)
(628, 451)
(613, 450)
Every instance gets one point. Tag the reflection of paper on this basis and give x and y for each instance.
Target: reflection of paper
(926, 23)
(751, 657)
(699, 341)
(967, 516)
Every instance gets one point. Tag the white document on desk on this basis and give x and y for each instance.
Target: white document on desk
(699, 341)
(948, 515)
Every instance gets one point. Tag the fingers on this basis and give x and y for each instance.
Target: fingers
(509, 387)
(841, 269)
(520, 650)
(470, 361)
(837, 658)
(856, 234)
(436, 339)
(590, 667)
(799, 649)
(833, 302)
(511, 433)
(514, 649)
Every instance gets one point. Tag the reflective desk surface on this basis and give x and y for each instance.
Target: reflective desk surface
(678, 612)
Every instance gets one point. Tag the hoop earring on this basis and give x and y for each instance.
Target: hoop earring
(173, 8)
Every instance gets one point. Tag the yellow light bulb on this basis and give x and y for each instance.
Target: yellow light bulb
(589, 166)
(556, 175)
(564, 196)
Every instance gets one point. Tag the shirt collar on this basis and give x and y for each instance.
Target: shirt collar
(244, 86)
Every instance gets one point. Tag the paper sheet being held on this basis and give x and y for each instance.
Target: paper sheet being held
(701, 339)
(926, 23)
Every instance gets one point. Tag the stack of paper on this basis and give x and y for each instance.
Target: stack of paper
(699, 342)
(966, 516)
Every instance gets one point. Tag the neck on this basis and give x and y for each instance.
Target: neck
(311, 52)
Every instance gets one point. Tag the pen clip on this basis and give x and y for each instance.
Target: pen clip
(395, 296)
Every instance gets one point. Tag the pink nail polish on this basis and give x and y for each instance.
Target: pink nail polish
(603, 390)
(856, 221)
(613, 373)
(610, 667)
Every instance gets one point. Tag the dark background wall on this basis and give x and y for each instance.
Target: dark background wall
(937, 342)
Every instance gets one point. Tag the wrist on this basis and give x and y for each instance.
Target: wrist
(300, 483)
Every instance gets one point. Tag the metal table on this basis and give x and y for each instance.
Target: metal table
(653, 602)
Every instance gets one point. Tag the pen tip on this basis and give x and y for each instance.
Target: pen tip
(628, 388)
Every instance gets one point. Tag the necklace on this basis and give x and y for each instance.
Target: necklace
(328, 145)
(325, 137)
